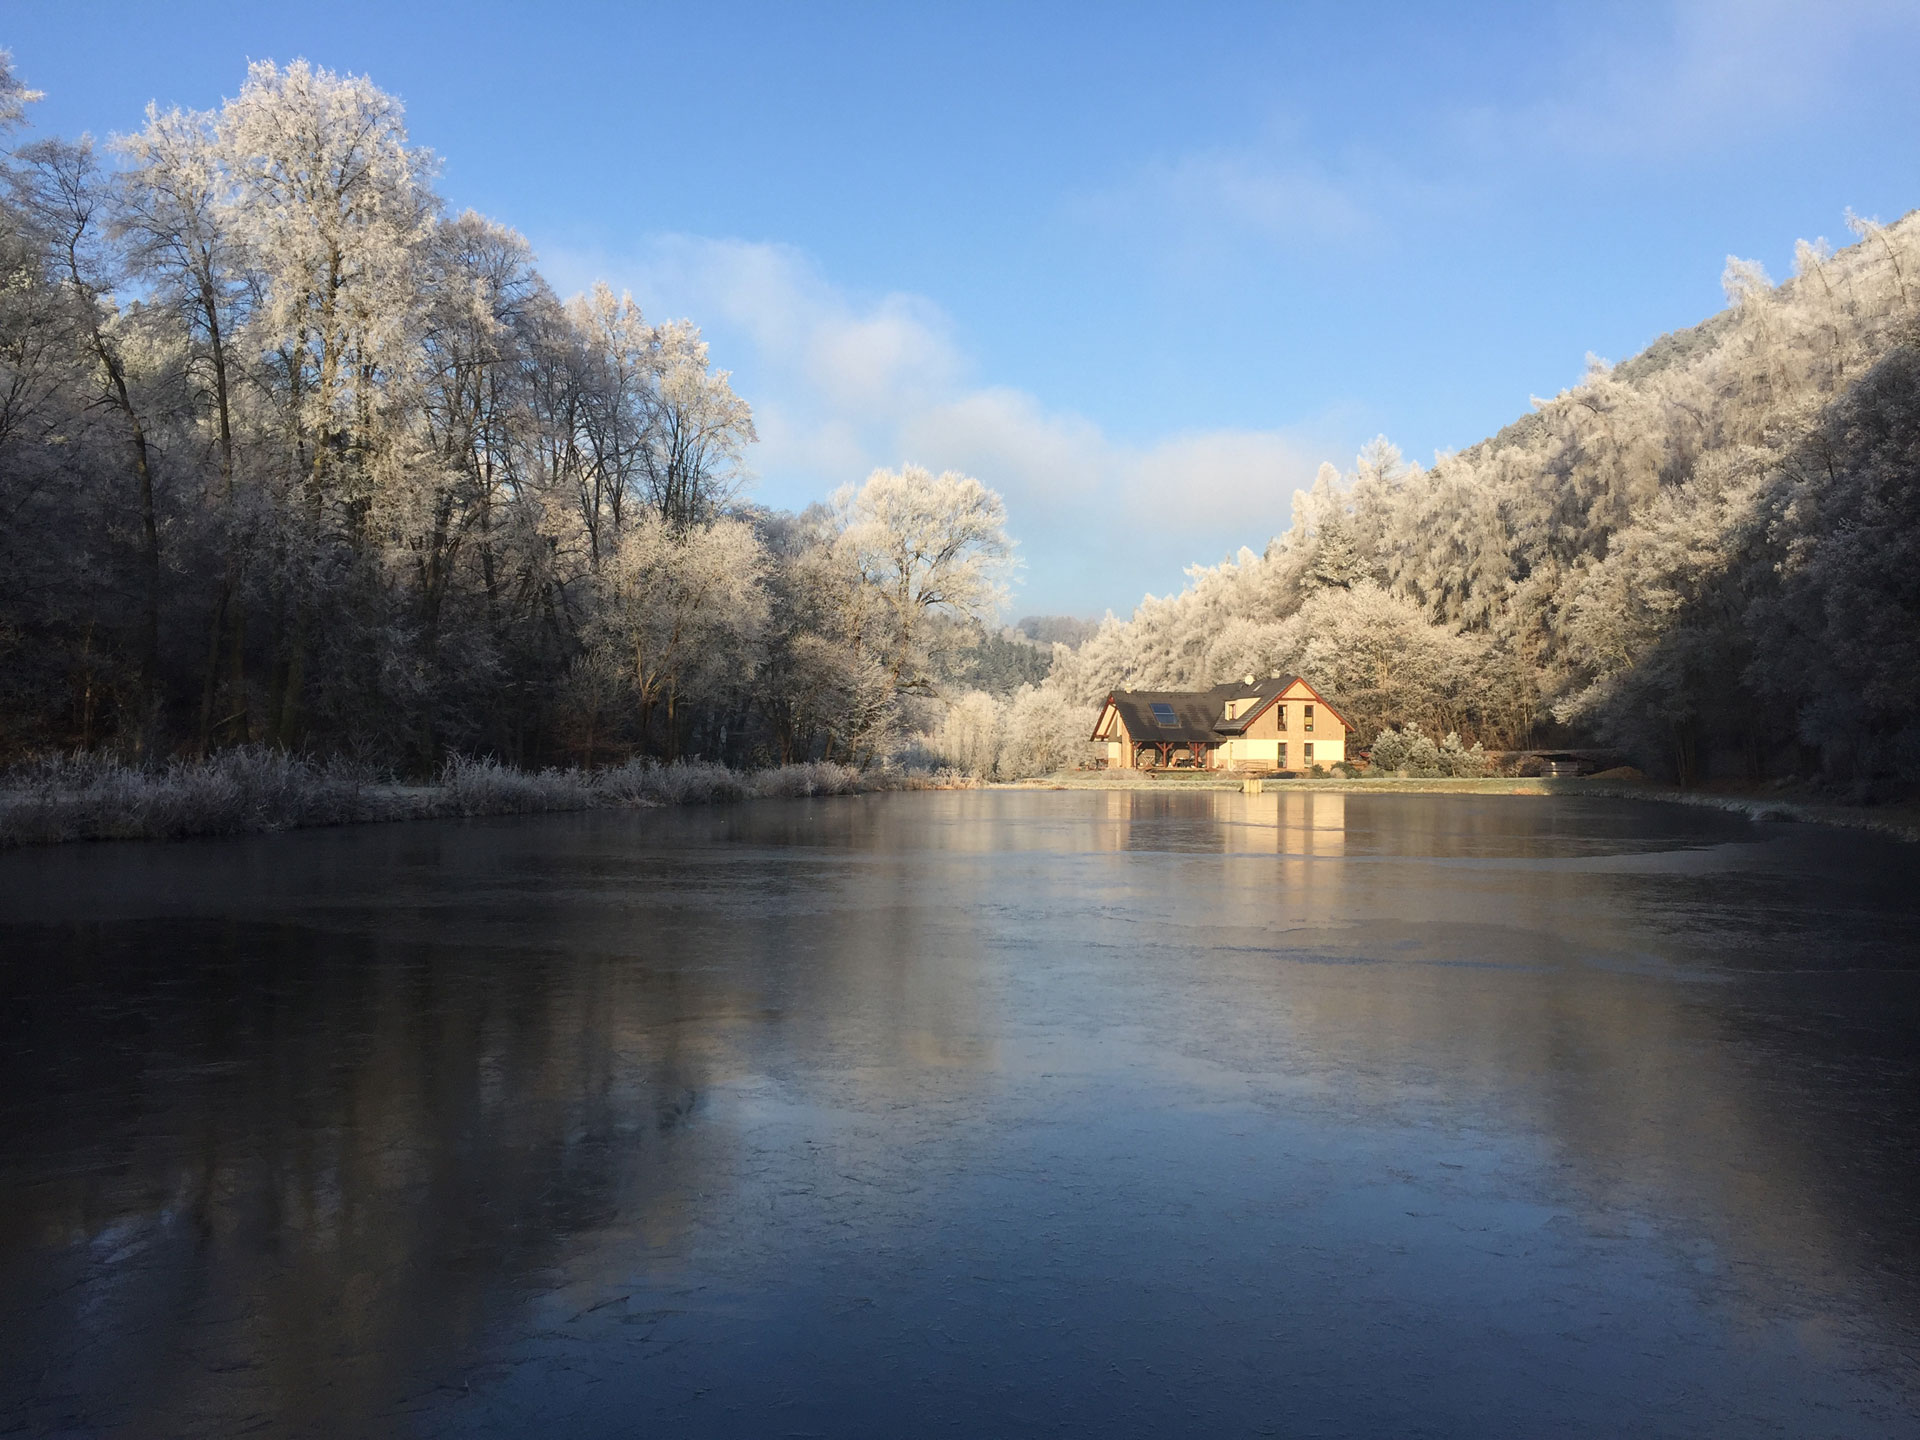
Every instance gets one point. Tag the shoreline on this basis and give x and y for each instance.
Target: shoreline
(1900, 822)
(255, 792)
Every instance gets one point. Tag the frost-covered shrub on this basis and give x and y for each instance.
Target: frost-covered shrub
(969, 737)
(1389, 752)
(704, 782)
(692, 782)
(1460, 762)
(917, 754)
(486, 787)
(1423, 756)
(1411, 751)
(255, 788)
(820, 777)
(625, 784)
(249, 788)
(1034, 731)
(1040, 734)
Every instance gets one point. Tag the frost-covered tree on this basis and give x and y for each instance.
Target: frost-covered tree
(1039, 735)
(288, 452)
(335, 208)
(928, 545)
(1830, 581)
(170, 218)
(698, 431)
(65, 204)
(969, 737)
(1379, 660)
(1634, 559)
(14, 95)
(1012, 737)
(683, 610)
(357, 468)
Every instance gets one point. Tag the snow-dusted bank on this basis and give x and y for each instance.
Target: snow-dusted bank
(254, 789)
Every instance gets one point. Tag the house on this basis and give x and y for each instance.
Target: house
(1265, 725)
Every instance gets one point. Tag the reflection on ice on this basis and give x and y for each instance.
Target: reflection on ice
(1290, 823)
(1368, 1113)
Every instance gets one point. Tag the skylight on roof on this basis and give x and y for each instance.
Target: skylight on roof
(1163, 715)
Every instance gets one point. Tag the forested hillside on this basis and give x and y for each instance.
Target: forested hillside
(1708, 555)
(291, 455)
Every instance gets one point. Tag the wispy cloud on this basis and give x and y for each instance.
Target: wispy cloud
(842, 383)
(1661, 82)
(1206, 200)
(1686, 80)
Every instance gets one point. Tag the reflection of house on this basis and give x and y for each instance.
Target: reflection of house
(1277, 724)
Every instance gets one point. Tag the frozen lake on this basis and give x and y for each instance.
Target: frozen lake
(972, 1114)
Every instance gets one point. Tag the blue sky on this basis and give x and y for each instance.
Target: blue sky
(1140, 268)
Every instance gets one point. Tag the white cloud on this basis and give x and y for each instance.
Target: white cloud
(1206, 201)
(1690, 78)
(842, 384)
(1661, 81)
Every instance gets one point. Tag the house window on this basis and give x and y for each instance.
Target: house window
(1280, 717)
(1306, 717)
(1283, 754)
(1306, 752)
(1163, 715)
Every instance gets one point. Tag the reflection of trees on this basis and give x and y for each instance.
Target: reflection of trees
(327, 1156)
(1548, 969)
(306, 1161)
(332, 1167)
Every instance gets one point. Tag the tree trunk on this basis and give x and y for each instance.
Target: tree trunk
(149, 540)
(1685, 754)
(293, 676)
(237, 702)
(210, 686)
(209, 695)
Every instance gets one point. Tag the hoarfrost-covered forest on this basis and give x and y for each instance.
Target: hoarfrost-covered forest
(1707, 556)
(292, 456)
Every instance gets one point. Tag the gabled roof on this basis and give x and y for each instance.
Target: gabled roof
(1272, 691)
(1267, 691)
(1195, 712)
(1201, 715)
